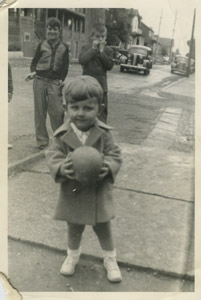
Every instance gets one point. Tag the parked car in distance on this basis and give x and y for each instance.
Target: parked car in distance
(123, 55)
(138, 59)
(179, 65)
(116, 54)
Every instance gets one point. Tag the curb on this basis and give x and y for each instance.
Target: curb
(163, 92)
(20, 164)
(99, 259)
(174, 96)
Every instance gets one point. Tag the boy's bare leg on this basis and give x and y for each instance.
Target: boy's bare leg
(74, 235)
(104, 233)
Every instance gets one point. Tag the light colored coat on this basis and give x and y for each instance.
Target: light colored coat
(77, 204)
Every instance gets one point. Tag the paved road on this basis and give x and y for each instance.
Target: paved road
(134, 106)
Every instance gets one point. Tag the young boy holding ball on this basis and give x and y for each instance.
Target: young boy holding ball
(79, 205)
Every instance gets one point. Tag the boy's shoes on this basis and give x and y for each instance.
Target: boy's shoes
(10, 146)
(113, 272)
(71, 261)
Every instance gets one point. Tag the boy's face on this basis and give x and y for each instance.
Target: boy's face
(83, 113)
(99, 36)
(52, 33)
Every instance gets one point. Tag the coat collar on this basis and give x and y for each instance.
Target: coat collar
(71, 138)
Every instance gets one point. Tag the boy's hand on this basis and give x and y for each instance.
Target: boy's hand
(61, 83)
(104, 172)
(102, 45)
(66, 169)
(95, 44)
(30, 76)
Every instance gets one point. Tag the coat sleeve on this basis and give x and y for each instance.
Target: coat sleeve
(106, 58)
(36, 58)
(55, 157)
(86, 54)
(112, 154)
(64, 71)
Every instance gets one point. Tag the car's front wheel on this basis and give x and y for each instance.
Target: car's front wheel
(121, 69)
(146, 72)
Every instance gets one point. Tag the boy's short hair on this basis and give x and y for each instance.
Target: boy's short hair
(98, 27)
(53, 22)
(82, 88)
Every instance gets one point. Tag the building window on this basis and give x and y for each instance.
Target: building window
(83, 26)
(27, 37)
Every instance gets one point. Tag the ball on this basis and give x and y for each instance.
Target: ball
(87, 163)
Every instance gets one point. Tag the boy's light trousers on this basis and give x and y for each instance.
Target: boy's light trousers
(47, 99)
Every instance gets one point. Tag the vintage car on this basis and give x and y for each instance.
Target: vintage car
(180, 65)
(116, 54)
(123, 55)
(138, 60)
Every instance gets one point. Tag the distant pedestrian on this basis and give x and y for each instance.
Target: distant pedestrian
(49, 67)
(96, 59)
(79, 204)
(10, 90)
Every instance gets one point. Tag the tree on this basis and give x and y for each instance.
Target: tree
(93, 16)
(164, 51)
(118, 23)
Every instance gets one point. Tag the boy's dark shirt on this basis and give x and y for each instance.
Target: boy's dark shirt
(96, 64)
(51, 74)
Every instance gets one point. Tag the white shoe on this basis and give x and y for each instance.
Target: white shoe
(71, 261)
(113, 271)
(10, 146)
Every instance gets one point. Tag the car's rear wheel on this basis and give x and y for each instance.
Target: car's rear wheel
(146, 72)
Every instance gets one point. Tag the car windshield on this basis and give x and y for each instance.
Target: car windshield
(140, 51)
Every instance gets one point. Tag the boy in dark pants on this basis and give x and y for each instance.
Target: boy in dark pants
(96, 60)
(49, 67)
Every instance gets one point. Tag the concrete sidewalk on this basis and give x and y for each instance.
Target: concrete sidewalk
(183, 89)
(154, 210)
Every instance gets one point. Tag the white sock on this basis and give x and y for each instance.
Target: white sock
(75, 252)
(109, 253)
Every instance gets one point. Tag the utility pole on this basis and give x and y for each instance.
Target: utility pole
(172, 40)
(158, 35)
(191, 46)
